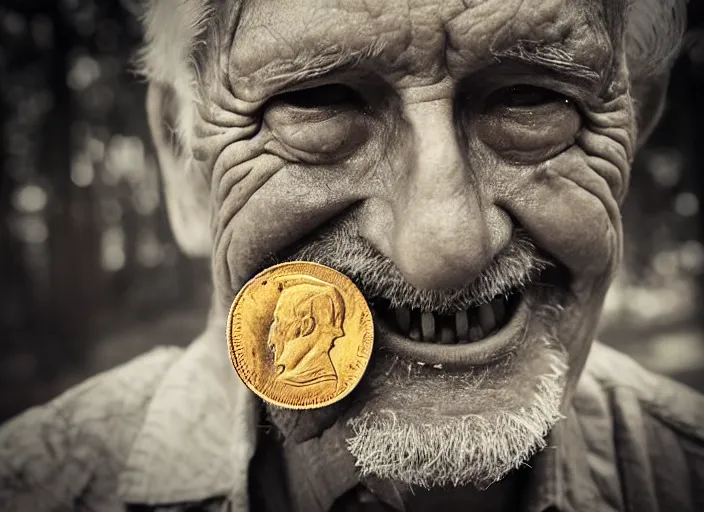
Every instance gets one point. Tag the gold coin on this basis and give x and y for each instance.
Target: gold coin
(300, 335)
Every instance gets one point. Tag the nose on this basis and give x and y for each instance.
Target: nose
(440, 237)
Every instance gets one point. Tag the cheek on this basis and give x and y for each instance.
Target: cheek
(268, 205)
(570, 209)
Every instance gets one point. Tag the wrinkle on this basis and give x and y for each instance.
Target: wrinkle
(565, 220)
(231, 179)
(203, 146)
(442, 90)
(246, 188)
(615, 157)
(622, 136)
(615, 121)
(610, 173)
(594, 184)
(221, 166)
(609, 119)
(227, 120)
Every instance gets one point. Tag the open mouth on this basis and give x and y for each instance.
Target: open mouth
(475, 336)
(462, 327)
(479, 335)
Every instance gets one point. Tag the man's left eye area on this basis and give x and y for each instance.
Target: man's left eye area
(528, 123)
(326, 121)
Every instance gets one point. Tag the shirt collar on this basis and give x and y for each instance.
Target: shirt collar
(198, 435)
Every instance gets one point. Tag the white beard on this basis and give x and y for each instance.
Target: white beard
(471, 449)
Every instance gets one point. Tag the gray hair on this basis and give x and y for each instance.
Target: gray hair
(173, 30)
(654, 33)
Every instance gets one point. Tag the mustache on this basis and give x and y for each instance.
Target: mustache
(340, 246)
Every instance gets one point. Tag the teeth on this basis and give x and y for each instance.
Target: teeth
(427, 326)
(462, 325)
(414, 334)
(414, 331)
(466, 326)
(499, 310)
(475, 333)
(403, 318)
(447, 335)
(487, 321)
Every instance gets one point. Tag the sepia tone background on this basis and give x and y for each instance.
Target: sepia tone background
(90, 275)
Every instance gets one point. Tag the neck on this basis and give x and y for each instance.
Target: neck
(500, 497)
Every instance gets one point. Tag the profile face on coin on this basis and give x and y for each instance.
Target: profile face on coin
(300, 335)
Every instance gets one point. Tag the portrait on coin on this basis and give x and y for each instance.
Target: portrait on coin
(300, 335)
(308, 318)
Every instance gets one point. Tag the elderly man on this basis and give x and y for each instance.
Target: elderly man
(463, 163)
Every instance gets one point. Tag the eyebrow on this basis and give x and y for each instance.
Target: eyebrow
(550, 56)
(308, 66)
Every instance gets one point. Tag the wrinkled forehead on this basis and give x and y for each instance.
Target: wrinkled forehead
(426, 39)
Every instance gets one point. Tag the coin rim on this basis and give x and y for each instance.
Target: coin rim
(231, 350)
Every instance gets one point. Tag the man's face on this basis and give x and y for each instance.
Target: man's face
(464, 163)
(302, 324)
(284, 328)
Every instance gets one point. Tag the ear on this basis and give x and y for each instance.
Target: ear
(186, 191)
(307, 325)
(654, 32)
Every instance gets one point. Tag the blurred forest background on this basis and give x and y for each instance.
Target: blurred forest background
(90, 275)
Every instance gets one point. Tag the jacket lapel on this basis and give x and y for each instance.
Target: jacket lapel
(198, 435)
